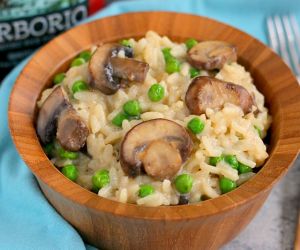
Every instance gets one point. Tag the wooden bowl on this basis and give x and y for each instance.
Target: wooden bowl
(112, 225)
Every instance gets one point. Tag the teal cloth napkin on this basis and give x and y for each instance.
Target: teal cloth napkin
(27, 220)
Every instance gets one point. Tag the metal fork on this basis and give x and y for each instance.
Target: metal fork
(284, 37)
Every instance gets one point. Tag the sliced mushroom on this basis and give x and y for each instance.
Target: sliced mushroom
(72, 131)
(107, 70)
(161, 160)
(129, 69)
(57, 115)
(208, 92)
(101, 70)
(158, 147)
(55, 103)
(210, 55)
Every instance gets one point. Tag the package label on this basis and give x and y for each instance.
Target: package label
(27, 24)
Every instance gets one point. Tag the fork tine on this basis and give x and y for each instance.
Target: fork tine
(291, 44)
(282, 42)
(272, 34)
(296, 30)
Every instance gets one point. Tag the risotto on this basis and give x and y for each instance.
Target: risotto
(154, 122)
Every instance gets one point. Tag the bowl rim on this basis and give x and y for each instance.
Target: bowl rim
(77, 194)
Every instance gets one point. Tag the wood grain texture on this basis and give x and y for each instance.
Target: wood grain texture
(112, 225)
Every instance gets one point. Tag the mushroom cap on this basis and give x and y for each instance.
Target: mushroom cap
(109, 72)
(210, 55)
(72, 131)
(101, 70)
(55, 103)
(129, 69)
(208, 92)
(146, 139)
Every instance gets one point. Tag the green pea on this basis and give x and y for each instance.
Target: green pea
(100, 179)
(132, 107)
(183, 183)
(145, 190)
(194, 72)
(190, 43)
(119, 118)
(172, 66)
(258, 131)
(70, 171)
(226, 185)
(232, 161)
(156, 92)
(244, 168)
(79, 86)
(167, 53)
(125, 42)
(49, 149)
(196, 125)
(57, 148)
(85, 55)
(58, 78)
(64, 154)
(77, 62)
(215, 160)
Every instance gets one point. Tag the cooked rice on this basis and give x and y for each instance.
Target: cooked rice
(226, 131)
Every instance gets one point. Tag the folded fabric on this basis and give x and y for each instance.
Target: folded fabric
(27, 220)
